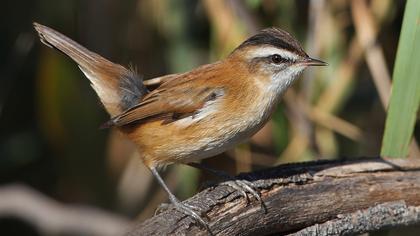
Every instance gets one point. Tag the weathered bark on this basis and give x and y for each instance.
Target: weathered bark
(322, 198)
(385, 215)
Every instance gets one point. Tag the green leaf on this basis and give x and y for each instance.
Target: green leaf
(405, 96)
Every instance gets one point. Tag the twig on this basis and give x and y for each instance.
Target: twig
(366, 31)
(53, 218)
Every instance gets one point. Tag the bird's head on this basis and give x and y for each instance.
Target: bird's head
(274, 55)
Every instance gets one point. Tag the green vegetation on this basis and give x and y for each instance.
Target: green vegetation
(405, 97)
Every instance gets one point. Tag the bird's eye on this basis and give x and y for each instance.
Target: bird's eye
(277, 59)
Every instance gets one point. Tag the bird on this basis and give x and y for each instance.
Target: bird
(185, 117)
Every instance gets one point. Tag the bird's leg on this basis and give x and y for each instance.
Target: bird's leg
(241, 185)
(179, 206)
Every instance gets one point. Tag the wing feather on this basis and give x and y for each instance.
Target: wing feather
(174, 97)
(167, 103)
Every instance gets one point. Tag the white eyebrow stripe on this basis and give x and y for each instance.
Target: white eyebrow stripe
(268, 51)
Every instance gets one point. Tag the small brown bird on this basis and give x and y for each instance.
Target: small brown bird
(196, 114)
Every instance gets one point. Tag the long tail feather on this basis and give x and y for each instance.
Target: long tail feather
(117, 87)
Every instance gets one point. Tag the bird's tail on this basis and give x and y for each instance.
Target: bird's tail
(117, 87)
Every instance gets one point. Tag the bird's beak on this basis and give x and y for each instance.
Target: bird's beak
(314, 62)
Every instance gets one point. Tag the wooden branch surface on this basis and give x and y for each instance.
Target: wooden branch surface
(313, 198)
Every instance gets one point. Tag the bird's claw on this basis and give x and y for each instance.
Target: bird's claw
(244, 187)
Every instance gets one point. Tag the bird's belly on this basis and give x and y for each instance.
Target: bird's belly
(218, 136)
(181, 143)
(207, 147)
(207, 134)
(204, 148)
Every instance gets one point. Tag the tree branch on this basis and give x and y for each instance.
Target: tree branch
(306, 199)
(53, 218)
(381, 216)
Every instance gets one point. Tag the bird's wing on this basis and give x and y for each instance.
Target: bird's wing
(156, 82)
(169, 102)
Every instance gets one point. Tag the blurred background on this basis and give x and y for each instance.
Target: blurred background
(51, 146)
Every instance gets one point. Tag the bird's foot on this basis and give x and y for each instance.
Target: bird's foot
(186, 209)
(244, 187)
(241, 185)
